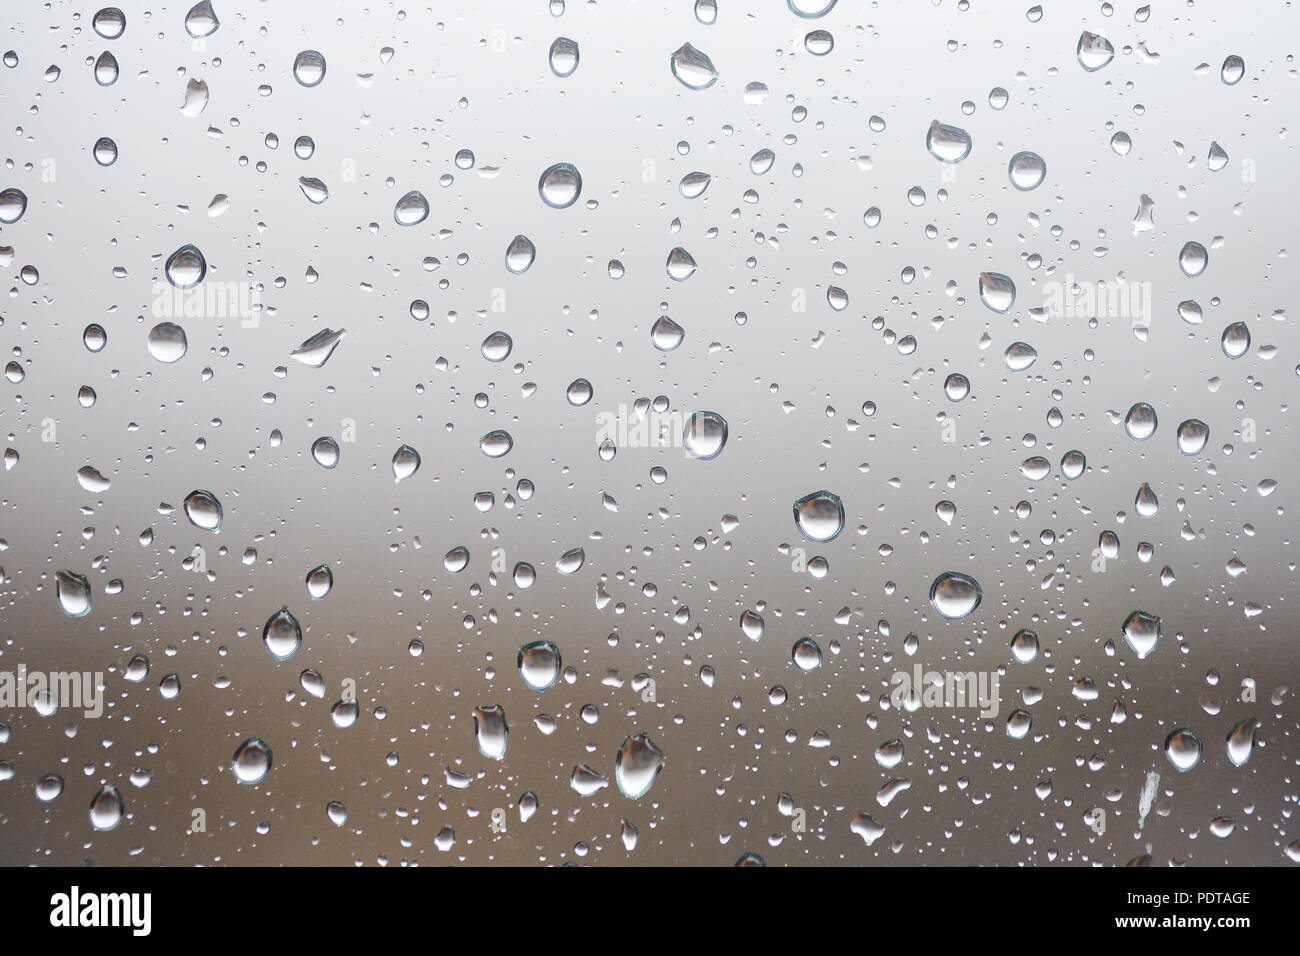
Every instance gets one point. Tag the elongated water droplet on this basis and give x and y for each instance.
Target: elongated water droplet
(1183, 748)
(693, 68)
(761, 161)
(496, 444)
(325, 451)
(1145, 503)
(309, 68)
(251, 762)
(104, 151)
(320, 580)
(563, 56)
(560, 185)
(1217, 158)
(585, 781)
(948, 144)
(520, 254)
(1235, 340)
(751, 625)
(705, 435)
(694, 184)
(106, 69)
(1193, 259)
(406, 462)
(637, 765)
(282, 635)
(491, 732)
(106, 809)
(571, 561)
(73, 592)
(1233, 69)
(1019, 723)
(1193, 435)
(315, 190)
(1024, 646)
(196, 98)
(316, 351)
(539, 665)
(1019, 356)
(203, 510)
(90, 478)
(1240, 743)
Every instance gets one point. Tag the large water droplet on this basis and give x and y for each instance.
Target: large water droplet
(1026, 171)
(1142, 633)
(693, 68)
(948, 144)
(1024, 646)
(491, 732)
(571, 561)
(1019, 356)
(496, 444)
(1094, 51)
(252, 761)
(1233, 69)
(1183, 748)
(314, 189)
(563, 56)
(997, 291)
(680, 265)
(203, 510)
(637, 765)
(693, 184)
(1240, 742)
(73, 592)
(805, 653)
(1193, 435)
(49, 787)
(195, 100)
(13, 203)
(412, 209)
(325, 451)
(539, 664)
(666, 334)
(1235, 340)
(202, 20)
(705, 435)
(104, 151)
(406, 462)
(317, 350)
(282, 635)
(320, 580)
(1193, 259)
(955, 595)
(560, 185)
(819, 516)
(810, 9)
(1145, 503)
(309, 68)
(106, 809)
(106, 69)
(110, 23)
(1140, 422)
(520, 254)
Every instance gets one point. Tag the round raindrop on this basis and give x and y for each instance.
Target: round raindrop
(251, 762)
(203, 510)
(539, 665)
(560, 185)
(819, 516)
(948, 144)
(1183, 748)
(186, 267)
(282, 635)
(705, 435)
(412, 209)
(1026, 171)
(309, 68)
(955, 595)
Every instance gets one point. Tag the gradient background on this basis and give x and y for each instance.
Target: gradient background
(790, 384)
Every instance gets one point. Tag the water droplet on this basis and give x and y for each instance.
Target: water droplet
(1026, 171)
(680, 265)
(693, 68)
(203, 510)
(1140, 422)
(1019, 356)
(998, 98)
(1235, 340)
(564, 56)
(819, 516)
(496, 444)
(956, 387)
(110, 23)
(1146, 503)
(282, 635)
(807, 656)
(167, 342)
(497, 346)
(666, 334)
(319, 581)
(761, 161)
(491, 732)
(955, 595)
(1024, 646)
(810, 9)
(186, 267)
(1233, 69)
(304, 147)
(1193, 435)
(1141, 633)
(106, 809)
(819, 42)
(1183, 748)
(705, 435)
(317, 350)
(73, 592)
(315, 190)
(406, 462)
(525, 575)
(196, 98)
(49, 787)
(579, 392)
(1094, 51)
(751, 625)
(344, 713)
(13, 203)
(1073, 464)
(571, 561)
(1019, 723)
(104, 151)
(202, 20)
(560, 185)
(585, 781)
(336, 812)
(309, 68)
(539, 665)
(412, 209)
(694, 184)
(106, 69)
(325, 451)
(997, 291)
(637, 765)
(1217, 158)
(948, 144)
(89, 478)
(1121, 143)
(1193, 259)
(837, 298)
(520, 254)
(251, 762)
(1240, 742)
